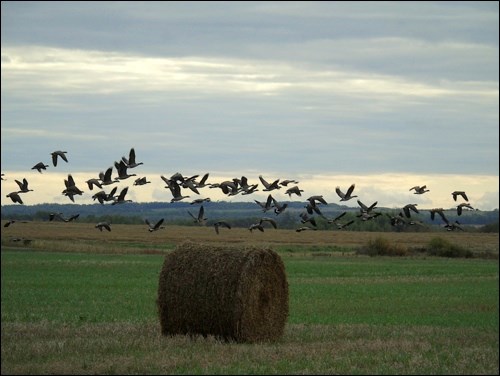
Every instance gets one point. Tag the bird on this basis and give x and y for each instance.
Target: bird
(130, 162)
(346, 196)
(294, 190)
(92, 182)
(106, 177)
(256, 226)
(71, 188)
(453, 226)
(366, 209)
(200, 201)
(269, 186)
(305, 228)
(334, 220)
(121, 197)
(141, 181)
(305, 218)
(267, 205)
(440, 212)
(102, 196)
(463, 205)
(40, 166)
(419, 189)
(408, 207)
(455, 194)
(341, 226)
(203, 182)
(58, 153)
(121, 168)
(288, 181)
(279, 208)
(104, 225)
(14, 196)
(23, 186)
(156, 226)
(219, 224)
(200, 218)
(269, 220)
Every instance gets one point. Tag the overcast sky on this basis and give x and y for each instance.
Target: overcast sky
(386, 95)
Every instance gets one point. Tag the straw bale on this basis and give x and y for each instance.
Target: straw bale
(238, 294)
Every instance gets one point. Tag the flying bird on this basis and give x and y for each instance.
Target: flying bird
(219, 224)
(156, 226)
(58, 153)
(200, 218)
(455, 194)
(121, 197)
(40, 166)
(408, 207)
(130, 162)
(102, 225)
(463, 205)
(346, 196)
(419, 189)
(269, 186)
(23, 186)
(14, 196)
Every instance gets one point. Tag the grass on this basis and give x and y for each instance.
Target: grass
(94, 313)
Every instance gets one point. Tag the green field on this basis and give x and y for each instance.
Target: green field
(86, 313)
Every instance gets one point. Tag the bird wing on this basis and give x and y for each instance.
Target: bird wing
(349, 191)
(339, 192)
(159, 223)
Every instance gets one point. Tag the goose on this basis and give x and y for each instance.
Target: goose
(92, 182)
(40, 166)
(455, 194)
(311, 209)
(463, 205)
(203, 182)
(121, 197)
(408, 207)
(2, 177)
(121, 167)
(71, 188)
(453, 226)
(200, 218)
(288, 181)
(175, 189)
(141, 181)
(269, 220)
(53, 216)
(334, 220)
(315, 199)
(106, 177)
(200, 201)
(346, 196)
(269, 186)
(256, 226)
(279, 208)
(305, 228)
(104, 225)
(305, 218)
(246, 188)
(419, 189)
(14, 196)
(102, 196)
(294, 190)
(219, 224)
(368, 216)
(155, 227)
(341, 226)
(58, 153)
(130, 162)
(267, 205)
(440, 212)
(367, 209)
(23, 186)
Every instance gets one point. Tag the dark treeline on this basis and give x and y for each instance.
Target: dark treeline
(243, 214)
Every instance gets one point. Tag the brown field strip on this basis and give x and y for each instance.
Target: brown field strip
(172, 235)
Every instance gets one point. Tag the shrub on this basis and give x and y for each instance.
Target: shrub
(382, 247)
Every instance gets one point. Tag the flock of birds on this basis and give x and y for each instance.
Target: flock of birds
(179, 184)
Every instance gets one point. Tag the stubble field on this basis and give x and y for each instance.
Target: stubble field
(79, 301)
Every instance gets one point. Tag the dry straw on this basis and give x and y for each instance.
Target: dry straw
(238, 294)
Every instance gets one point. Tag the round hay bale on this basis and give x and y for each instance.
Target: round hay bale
(232, 293)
